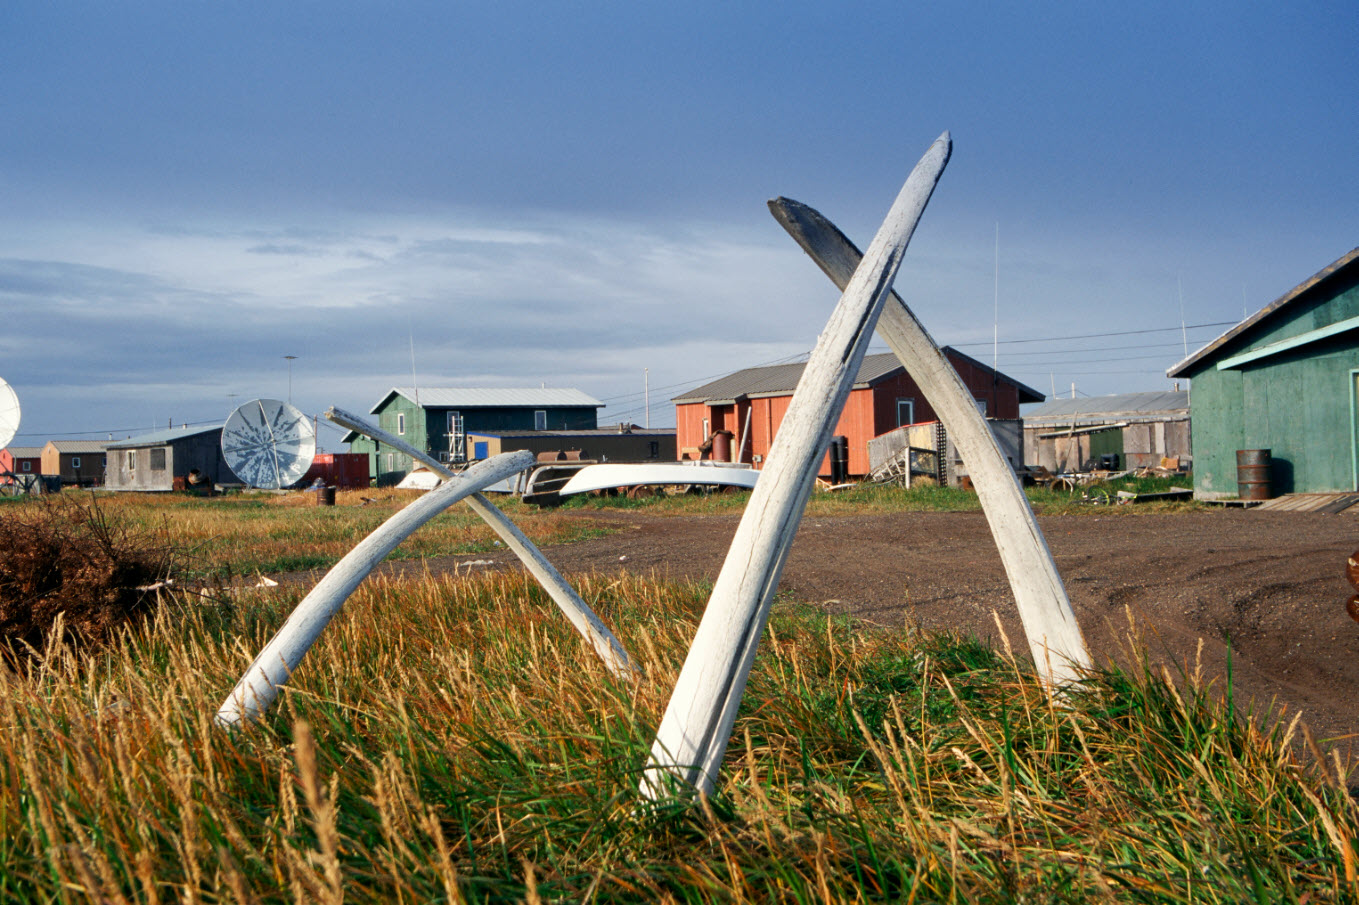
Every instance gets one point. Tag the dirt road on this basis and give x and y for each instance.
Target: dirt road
(1272, 583)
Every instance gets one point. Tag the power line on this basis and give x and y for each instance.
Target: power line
(1048, 339)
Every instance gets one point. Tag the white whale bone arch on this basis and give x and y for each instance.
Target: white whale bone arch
(258, 688)
(1055, 640)
(686, 755)
(576, 610)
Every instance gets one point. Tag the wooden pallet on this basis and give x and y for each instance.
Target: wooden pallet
(1310, 502)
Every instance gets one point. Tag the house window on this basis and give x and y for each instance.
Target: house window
(400, 422)
(655, 449)
(540, 420)
(905, 412)
(26, 466)
(75, 461)
(706, 434)
(981, 406)
(157, 460)
(131, 460)
(391, 461)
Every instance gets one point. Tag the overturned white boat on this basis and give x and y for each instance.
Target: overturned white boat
(609, 476)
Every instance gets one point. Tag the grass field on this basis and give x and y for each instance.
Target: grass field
(451, 739)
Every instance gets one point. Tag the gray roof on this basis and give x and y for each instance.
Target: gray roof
(486, 397)
(1331, 270)
(1151, 406)
(780, 380)
(78, 446)
(25, 452)
(161, 437)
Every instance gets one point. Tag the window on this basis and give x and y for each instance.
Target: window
(706, 434)
(540, 420)
(655, 450)
(400, 422)
(131, 460)
(157, 460)
(905, 412)
(75, 461)
(981, 406)
(391, 461)
(26, 466)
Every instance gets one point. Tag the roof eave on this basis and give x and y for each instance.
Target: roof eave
(1335, 268)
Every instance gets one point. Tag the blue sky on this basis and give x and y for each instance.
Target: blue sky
(573, 194)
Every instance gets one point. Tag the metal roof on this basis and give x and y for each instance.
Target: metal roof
(25, 452)
(1118, 407)
(780, 380)
(161, 437)
(77, 446)
(486, 397)
(1335, 268)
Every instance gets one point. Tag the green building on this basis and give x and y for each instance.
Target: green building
(438, 420)
(1284, 379)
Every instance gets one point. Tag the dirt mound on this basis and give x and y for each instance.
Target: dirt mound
(66, 558)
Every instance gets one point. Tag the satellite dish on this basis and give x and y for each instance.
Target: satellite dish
(269, 444)
(9, 414)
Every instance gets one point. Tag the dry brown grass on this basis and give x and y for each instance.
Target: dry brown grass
(66, 566)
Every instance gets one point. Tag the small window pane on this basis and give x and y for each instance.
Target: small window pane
(157, 460)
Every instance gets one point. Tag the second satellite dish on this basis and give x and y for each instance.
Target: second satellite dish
(9, 414)
(269, 444)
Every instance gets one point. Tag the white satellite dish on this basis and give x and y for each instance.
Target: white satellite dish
(9, 414)
(269, 444)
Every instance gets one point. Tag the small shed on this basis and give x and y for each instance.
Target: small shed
(75, 462)
(347, 470)
(1285, 379)
(1127, 430)
(154, 461)
(18, 461)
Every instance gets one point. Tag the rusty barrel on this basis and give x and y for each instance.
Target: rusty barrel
(325, 496)
(1252, 474)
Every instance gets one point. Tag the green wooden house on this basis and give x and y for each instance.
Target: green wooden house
(1282, 380)
(438, 421)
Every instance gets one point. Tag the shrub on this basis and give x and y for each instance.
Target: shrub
(68, 562)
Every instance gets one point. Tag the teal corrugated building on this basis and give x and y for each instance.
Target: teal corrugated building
(1284, 379)
(438, 420)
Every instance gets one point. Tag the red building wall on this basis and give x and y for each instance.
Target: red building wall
(868, 413)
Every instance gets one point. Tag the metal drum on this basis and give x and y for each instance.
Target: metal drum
(1252, 474)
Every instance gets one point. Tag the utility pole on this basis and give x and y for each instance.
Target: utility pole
(646, 394)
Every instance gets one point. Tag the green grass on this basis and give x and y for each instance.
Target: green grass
(452, 740)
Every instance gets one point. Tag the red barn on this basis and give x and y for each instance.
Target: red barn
(883, 398)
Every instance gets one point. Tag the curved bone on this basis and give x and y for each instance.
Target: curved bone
(275, 664)
(694, 732)
(1054, 635)
(576, 610)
